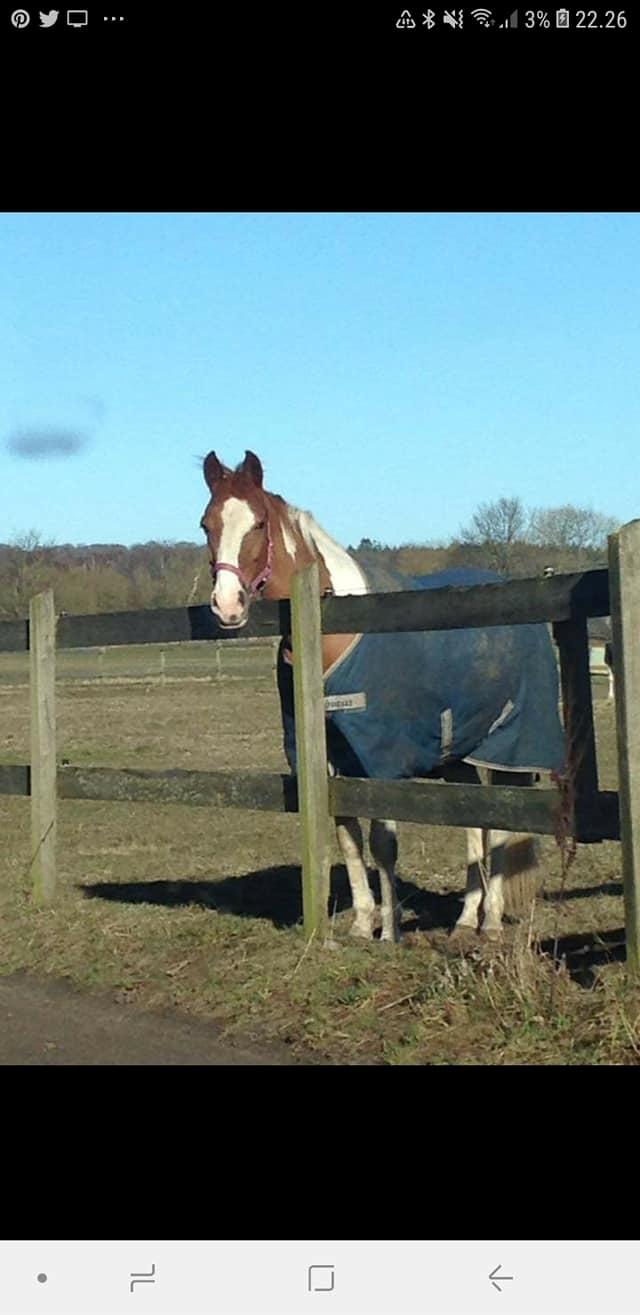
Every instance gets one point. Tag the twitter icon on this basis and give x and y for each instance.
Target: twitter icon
(48, 20)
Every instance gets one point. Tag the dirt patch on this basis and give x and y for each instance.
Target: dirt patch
(48, 1022)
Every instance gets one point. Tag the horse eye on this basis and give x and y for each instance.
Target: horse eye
(260, 525)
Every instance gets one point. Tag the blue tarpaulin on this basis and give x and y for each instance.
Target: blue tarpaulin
(406, 704)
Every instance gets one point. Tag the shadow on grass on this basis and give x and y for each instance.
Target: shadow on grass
(582, 892)
(274, 894)
(584, 953)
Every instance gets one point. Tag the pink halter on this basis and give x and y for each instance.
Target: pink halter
(251, 585)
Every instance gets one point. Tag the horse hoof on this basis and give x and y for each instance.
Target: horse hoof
(361, 933)
(493, 934)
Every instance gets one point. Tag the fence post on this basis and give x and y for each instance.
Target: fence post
(624, 593)
(42, 659)
(311, 751)
(572, 638)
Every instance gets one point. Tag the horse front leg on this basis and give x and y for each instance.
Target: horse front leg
(514, 877)
(383, 843)
(477, 849)
(349, 833)
(477, 880)
(493, 904)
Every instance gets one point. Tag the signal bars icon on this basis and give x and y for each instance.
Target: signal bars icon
(512, 21)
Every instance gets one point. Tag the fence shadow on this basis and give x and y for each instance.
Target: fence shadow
(270, 893)
(585, 952)
(433, 910)
(274, 894)
(582, 892)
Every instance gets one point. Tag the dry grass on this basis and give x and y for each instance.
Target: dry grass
(200, 909)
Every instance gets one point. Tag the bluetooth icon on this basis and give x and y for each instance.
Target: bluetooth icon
(429, 19)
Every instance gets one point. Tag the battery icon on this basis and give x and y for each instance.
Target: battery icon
(562, 17)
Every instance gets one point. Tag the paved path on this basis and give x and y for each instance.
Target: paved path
(46, 1021)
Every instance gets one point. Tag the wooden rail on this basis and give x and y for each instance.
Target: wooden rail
(431, 803)
(508, 602)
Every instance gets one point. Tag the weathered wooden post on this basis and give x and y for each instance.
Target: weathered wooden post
(624, 594)
(311, 750)
(572, 639)
(42, 659)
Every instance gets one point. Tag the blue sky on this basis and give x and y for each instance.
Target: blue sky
(391, 370)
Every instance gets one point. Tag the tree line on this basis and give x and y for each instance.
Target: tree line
(102, 577)
(508, 537)
(502, 535)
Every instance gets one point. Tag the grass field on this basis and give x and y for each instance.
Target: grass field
(200, 909)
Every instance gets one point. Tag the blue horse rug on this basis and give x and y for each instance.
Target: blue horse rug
(406, 704)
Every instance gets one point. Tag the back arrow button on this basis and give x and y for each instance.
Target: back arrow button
(497, 1278)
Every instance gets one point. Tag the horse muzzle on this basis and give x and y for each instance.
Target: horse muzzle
(227, 619)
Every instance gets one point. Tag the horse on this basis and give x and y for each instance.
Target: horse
(257, 542)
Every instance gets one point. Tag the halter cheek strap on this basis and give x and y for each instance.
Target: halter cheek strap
(253, 586)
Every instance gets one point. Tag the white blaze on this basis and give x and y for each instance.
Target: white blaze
(237, 519)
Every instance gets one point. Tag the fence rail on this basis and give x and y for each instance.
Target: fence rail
(158, 663)
(509, 602)
(430, 803)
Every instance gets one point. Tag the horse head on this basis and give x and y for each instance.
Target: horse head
(236, 523)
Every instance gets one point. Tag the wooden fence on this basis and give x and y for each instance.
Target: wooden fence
(566, 601)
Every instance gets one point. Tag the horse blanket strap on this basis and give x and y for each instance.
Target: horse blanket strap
(403, 705)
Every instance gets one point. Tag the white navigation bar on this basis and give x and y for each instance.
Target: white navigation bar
(334, 1278)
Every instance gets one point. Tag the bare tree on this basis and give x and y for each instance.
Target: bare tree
(497, 527)
(25, 570)
(570, 527)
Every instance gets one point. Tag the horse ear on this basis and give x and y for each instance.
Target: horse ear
(213, 470)
(252, 467)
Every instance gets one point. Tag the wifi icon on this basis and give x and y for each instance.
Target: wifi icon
(483, 16)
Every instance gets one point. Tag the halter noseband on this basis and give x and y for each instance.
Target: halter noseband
(253, 586)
